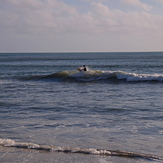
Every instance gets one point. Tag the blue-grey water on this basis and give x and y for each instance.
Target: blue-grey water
(116, 105)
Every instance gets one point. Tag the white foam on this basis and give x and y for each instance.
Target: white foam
(129, 77)
(93, 151)
(7, 142)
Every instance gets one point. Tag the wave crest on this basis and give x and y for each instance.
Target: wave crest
(97, 76)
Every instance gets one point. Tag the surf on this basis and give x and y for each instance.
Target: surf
(96, 76)
(87, 151)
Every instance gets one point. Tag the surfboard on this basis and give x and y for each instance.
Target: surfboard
(79, 69)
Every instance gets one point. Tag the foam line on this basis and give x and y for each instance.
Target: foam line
(91, 151)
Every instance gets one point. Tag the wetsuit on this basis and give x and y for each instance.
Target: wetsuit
(84, 68)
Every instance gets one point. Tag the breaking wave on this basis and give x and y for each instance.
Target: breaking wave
(90, 151)
(97, 76)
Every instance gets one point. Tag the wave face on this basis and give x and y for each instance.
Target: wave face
(90, 151)
(97, 76)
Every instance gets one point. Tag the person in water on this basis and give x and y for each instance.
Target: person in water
(84, 68)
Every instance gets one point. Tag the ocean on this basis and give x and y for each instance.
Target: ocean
(51, 112)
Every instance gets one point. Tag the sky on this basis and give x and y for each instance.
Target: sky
(81, 25)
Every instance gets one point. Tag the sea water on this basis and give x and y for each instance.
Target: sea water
(117, 105)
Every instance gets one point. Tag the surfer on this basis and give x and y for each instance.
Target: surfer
(82, 68)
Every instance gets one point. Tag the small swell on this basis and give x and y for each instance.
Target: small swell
(96, 76)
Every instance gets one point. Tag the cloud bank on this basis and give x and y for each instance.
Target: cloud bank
(53, 17)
